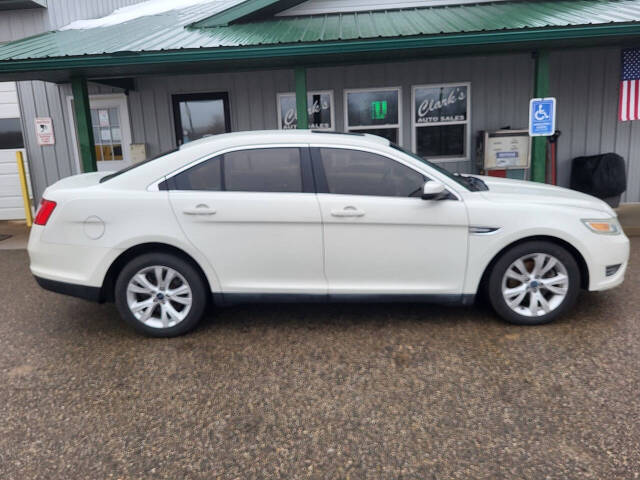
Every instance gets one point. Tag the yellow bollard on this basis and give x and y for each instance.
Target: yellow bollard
(25, 190)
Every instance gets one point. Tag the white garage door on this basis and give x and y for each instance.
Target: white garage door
(11, 205)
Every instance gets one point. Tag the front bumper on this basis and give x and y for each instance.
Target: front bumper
(606, 251)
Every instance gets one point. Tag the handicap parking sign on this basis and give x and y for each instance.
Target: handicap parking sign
(542, 117)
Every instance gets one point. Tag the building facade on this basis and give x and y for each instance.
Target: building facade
(434, 96)
(21, 19)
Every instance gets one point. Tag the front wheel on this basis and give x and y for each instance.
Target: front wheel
(534, 283)
(160, 295)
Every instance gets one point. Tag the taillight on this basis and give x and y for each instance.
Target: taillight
(44, 212)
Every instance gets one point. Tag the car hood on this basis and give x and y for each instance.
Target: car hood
(508, 190)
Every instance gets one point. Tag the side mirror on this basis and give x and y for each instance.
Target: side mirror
(434, 191)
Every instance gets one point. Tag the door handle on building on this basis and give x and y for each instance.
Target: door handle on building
(347, 212)
(200, 210)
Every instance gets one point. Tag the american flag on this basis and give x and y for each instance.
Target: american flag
(630, 86)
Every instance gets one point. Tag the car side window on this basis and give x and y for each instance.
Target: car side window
(254, 170)
(206, 176)
(263, 170)
(354, 172)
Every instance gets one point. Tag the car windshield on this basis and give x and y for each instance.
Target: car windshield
(470, 183)
(135, 165)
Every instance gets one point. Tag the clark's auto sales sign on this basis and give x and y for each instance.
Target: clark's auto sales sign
(320, 106)
(441, 104)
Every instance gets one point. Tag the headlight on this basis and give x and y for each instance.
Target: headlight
(608, 226)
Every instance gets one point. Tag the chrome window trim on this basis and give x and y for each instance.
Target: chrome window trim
(154, 187)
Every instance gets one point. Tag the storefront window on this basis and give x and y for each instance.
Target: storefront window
(441, 116)
(375, 111)
(10, 134)
(320, 107)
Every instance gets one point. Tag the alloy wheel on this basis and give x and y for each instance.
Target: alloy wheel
(535, 284)
(159, 296)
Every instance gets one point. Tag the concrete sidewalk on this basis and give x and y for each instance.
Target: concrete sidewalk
(629, 216)
(19, 234)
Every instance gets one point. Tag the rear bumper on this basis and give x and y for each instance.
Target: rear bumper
(93, 294)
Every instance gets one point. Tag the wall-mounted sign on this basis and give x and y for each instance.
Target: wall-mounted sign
(542, 117)
(441, 103)
(44, 131)
(320, 108)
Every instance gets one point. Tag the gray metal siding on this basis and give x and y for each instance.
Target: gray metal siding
(584, 81)
(586, 84)
(16, 24)
(501, 86)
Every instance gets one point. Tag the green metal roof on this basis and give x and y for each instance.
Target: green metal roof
(171, 36)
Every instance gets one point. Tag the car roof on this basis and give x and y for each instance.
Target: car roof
(286, 136)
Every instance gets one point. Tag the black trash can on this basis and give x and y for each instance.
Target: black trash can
(603, 176)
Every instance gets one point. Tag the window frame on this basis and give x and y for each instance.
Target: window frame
(307, 181)
(310, 92)
(322, 185)
(415, 125)
(349, 129)
(177, 98)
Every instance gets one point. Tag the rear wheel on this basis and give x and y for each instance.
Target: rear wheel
(160, 295)
(534, 283)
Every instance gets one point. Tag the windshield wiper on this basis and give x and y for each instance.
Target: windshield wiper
(475, 184)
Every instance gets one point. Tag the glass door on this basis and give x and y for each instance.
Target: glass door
(111, 131)
(198, 115)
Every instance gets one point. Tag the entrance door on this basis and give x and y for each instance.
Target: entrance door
(111, 131)
(198, 115)
(380, 237)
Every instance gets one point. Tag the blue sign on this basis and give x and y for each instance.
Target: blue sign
(542, 117)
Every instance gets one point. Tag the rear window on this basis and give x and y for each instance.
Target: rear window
(135, 165)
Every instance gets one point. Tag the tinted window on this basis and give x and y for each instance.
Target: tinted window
(441, 141)
(263, 170)
(352, 172)
(10, 133)
(204, 176)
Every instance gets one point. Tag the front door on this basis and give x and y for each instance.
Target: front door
(198, 115)
(111, 131)
(380, 237)
(253, 214)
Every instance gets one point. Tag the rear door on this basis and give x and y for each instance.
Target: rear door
(254, 214)
(380, 237)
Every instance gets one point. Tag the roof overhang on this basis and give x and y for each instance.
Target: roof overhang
(62, 69)
(22, 4)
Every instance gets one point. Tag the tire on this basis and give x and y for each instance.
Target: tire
(153, 308)
(547, 296)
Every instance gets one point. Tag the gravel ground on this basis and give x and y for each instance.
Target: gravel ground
(338, 391)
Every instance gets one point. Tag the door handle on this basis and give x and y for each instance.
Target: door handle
(200, 210)
(348, 212)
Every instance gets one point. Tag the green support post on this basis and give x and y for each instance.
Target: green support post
(539, 144)
(83, 124)
(301, 97)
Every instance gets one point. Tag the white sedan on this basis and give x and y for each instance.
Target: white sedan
(308, 216)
